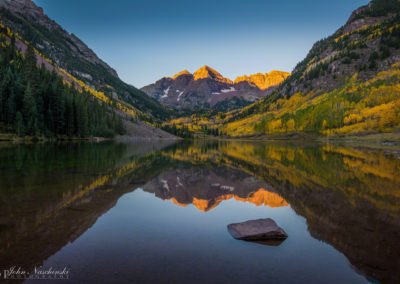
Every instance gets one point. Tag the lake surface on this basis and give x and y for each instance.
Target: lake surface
(157, 212)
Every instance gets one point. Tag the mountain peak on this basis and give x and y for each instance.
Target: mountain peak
(208, 72)
(264, 81)
(183, 72)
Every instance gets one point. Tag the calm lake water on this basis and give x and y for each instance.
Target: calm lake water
(155, 212)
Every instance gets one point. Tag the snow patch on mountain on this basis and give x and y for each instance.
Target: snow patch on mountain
(231, 89)
(165, 93)
(179, 96)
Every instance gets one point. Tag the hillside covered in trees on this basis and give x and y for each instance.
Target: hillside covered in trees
(54, 85)
(37, 102)
(76, 58)
(349, 84)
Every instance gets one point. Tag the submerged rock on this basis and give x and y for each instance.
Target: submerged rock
(257, 230)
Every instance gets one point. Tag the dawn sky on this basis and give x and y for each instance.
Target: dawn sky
(149, 39)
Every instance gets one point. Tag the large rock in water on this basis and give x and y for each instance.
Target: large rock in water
(257, 230)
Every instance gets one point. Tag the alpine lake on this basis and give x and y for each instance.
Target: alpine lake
(157, 212)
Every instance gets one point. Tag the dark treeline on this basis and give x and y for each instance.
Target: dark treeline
(36, 102)
(183, 132)
(211, 131)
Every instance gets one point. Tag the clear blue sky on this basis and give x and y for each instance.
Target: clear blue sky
(145, 40)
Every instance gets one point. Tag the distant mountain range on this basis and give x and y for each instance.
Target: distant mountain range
(208, 89)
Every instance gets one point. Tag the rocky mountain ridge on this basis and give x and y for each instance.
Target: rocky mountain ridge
(264, 81)
(31, 12)
(206, 88)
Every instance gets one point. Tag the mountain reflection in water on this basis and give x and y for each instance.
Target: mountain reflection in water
(51, 194)
(207, 188)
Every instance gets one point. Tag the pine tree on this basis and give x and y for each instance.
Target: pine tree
(30, 111)
(30, 64)
(50, 121)
(6, 88)
(19, 124)
(10, 108)
(11, 50)
(70, 118)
